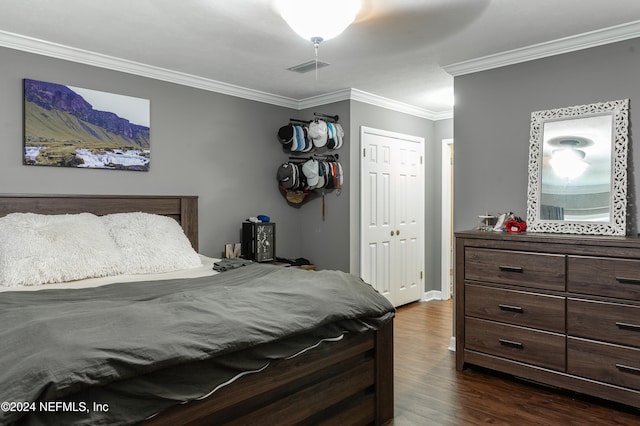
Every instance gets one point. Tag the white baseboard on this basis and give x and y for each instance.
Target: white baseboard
(437, 295)
(432, 295)
(452, 344)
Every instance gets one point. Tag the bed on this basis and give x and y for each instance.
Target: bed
(330, 379)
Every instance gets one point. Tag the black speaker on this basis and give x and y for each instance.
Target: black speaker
(259, 241)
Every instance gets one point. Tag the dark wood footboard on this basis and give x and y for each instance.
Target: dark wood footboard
(348, 383)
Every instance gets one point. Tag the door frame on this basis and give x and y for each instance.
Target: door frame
(359, 158)
(447, 223)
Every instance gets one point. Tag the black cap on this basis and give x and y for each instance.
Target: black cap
(285, 134)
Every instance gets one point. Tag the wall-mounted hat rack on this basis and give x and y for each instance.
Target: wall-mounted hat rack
(299, 177)
(317, 115)
(295, 120)
(333, 118)
(321, 157)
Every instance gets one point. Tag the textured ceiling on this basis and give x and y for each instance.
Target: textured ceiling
(396, 49)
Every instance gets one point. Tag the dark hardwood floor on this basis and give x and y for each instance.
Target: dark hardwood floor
(429, 390)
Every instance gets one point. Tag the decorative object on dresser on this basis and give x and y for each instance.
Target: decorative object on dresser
(562, 310)
(486, 222)
(578, 169)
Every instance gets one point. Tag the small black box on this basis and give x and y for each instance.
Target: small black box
(259, 241)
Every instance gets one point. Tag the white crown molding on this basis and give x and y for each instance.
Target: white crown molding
(327, 98)
(370, 98)
(59, 51)
(375, 100)
(542, 50)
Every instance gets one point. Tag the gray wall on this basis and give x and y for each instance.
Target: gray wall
(325, 242)
(221, 148)
(363, 114)
(333, 242)
(492, 117)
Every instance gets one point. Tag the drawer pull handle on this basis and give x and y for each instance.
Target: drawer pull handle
(628, 369)
(626, 326)
(511, 308)
(627, 280)
(511, 344)
(507, 268)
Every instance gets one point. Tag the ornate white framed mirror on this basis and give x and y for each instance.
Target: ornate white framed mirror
(578, 169)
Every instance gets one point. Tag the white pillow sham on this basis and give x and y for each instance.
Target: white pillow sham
(40, 249)
(150, 243)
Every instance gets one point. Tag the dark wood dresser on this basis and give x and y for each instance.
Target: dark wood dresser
(562, 310)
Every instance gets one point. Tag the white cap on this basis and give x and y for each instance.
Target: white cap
(318, 133)
(339, 134)
(310, 170)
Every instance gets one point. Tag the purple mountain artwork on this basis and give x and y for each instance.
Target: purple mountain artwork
(63, 128)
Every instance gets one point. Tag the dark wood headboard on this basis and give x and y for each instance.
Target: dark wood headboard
(182, 208)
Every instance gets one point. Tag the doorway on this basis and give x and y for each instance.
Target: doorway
(446, 273)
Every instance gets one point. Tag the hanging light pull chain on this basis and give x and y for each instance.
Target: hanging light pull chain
(316, 43)
(316, 48)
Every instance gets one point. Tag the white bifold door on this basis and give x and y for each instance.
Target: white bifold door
(392, 214)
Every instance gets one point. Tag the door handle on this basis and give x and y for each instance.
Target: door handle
(392, 232)
(398, 232)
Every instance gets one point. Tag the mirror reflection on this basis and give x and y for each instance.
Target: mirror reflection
(576, 169)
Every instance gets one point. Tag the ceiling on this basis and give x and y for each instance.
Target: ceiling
(397, 50)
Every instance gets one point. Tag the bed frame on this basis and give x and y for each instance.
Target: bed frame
(349, 382)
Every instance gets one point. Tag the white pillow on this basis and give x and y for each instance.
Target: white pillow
(150, 243)
(39, 249)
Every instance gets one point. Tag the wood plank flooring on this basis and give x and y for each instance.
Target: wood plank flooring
(429, 390)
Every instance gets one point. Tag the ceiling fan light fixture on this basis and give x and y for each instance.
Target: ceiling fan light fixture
(568, 162)
(318, 21)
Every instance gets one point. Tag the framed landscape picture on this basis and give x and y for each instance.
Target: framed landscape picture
(68, 126)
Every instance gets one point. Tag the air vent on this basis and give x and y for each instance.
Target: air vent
(308, 66)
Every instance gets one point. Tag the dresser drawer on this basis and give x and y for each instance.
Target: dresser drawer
(516, 307)
(610, 322)
(604, 276)
(535, 347)
(604, 362)
(544, 271)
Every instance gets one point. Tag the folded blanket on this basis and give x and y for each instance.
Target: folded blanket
(230, 263)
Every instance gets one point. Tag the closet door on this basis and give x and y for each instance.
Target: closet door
(409, 194)
(377, 217)
(392, 214)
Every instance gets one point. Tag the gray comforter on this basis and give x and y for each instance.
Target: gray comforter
(62, 344)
